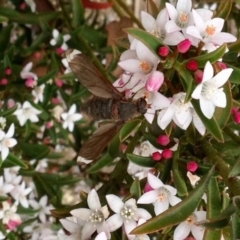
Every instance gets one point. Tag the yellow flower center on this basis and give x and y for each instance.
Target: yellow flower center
(145, 66)
(210, 30)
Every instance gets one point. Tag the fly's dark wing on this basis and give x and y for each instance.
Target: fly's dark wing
(89, 76)
(93, 147)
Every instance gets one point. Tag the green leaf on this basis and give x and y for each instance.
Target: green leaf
(234, 77)
(100, 163)
(235, 170)
(129, 128)
(8, 112)
(235, 226)
(31, 150)
(78, 13)
(235, 46)
(212, 234)
(178, 178)
(5, 37)
(146, 38)
(135, 189)
(16, 161)
(141, 161)
(211, 57)
(224, 9)
(210, 124)
(177, 213)
(3, 198)
(46, 77)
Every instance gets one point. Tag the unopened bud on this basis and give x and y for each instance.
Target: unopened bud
(156, 156)
(154, 81)
(198, 76)
(192, 166)
(8, 71)
(163, 51)
(59, 50)
(3, 81)
(30, 82)
(167, 153)
(163, 140)
(192, 65)
(236, 117)
(184, 46)
(58, 82)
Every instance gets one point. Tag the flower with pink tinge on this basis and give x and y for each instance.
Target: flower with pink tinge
(236, 117)
(209, 93)
(161, 197)
(154, 81)
(209, 31)
(70, 117)
(6, 141)
(8, 71)
(74, 227)
(167, 153)
(27, 112)
(192, 65)
(94, 217)
(58, 82)
(8, 213)
(126, 213)
(30, 82)
(26, 74)
(190, 226)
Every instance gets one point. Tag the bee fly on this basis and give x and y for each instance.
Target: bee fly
(107, 103)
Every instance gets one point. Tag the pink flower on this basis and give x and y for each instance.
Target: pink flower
(13, 224)
(30, 83)
(59, 50)
(58, 82)
(154, 81)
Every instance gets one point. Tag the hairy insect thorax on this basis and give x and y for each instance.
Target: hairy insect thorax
(101, 108)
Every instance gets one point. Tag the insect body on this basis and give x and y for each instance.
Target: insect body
(108, 103)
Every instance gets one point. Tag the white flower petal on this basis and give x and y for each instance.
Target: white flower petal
(114, 222)
(148, 21)
(207, 107)
(93, 200)
(197, 232)
(208, 72)
(181, 231)
(154, 181)
(115, 203)
(148, 197)
(219, 99)
(81, 213)
(160, 207)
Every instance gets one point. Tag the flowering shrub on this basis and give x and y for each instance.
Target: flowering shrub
(172, 172)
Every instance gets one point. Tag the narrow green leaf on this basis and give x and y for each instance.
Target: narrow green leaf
(16, 161)
(224, 9)
(8, 112)
(5, 37)
(234, 78)
(212, 56)
(146, 38)
(135, 189)
(235, 170)
(178, 178)
(235, 46)
(235, 226)
(47, 77)
(212, 234)
(141, 161)
(210, 124)
(38, 151)
(114, 147)
(78, 13)
(129, 128)
(100, 163)
(177, 213)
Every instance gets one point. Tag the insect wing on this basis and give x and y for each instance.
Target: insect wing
(93, 147)
(89, 76)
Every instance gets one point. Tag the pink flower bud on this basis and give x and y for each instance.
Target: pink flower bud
(184, 46)
(8, 71)
(58, 82)
(23, 6)
(147, 188)
(37, 55)
(163, 51)
(192, 65)
(3, 81)
(236, 117)
(55, 100)
(49, 124)
(192, 166)
(163, 140)
(234, 110)
(154, 81)
(10, 103)
(156, 156)
(222, 65)
(30, 82)
(59, 50)
(13, 224)
(198, 75)
(167, 153)
(123, 147)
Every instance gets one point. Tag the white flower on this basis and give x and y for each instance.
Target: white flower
(5, 187)
(10, 176)
(2, 122)
(209, 31)
(126, 213)
(37, 92)
(8, 213)
(101, 236)
(94, 217)
(27, 112)
(19, 193)
(42, 207)
(26, 74)
(70, 117)
(193, 178)
(184, 228)
(6, 141)
(139, 237)
(31, 4)
(73, 227)
(161, 196)
(209, 93)
(58, 37)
